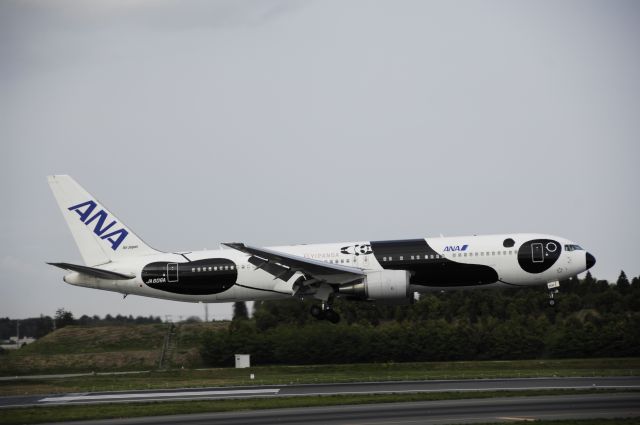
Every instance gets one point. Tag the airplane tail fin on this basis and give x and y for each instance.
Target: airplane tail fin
(100, 236)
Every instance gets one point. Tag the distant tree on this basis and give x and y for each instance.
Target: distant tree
(63, 318)
(42, 326)
(588, 279)
(240, 311)
(193, 319)
(622, 284)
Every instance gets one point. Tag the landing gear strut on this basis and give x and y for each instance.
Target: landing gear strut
(553, 289)
(325, 312)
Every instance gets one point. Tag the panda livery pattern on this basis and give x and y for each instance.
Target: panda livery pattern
(202, 277)
(435, 271)
(538, 255)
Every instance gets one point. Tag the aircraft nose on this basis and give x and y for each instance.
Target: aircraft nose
(591, 260)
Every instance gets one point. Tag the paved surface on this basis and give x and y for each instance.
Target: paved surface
(326, 389)
(508, 409)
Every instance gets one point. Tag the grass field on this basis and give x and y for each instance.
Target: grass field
(325, 373)
(108, 411)
(106, 348)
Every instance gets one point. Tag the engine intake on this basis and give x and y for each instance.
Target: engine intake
(384, 285)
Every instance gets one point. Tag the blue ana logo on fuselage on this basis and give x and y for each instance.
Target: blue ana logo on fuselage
(85, 211)
(456, 247)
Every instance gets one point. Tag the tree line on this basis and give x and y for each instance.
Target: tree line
(591, 318)
(37, 327)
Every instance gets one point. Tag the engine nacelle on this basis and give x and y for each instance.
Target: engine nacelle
(384, 285)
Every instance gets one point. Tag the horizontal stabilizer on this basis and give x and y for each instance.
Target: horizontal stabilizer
(94, 272)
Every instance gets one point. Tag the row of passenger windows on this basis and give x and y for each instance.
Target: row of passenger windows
(483, 253)
(214, 268)
(414, 257)
(343, 261)
(455, 254)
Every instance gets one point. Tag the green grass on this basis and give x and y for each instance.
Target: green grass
(105, 348)
(281, 375)
(30, 415)
(97, 339)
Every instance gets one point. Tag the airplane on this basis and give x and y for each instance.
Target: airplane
(389, 271)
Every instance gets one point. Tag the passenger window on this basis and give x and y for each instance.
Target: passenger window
(193, 269)
(401, 257)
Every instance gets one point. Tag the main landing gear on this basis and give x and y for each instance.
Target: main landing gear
(325, 312)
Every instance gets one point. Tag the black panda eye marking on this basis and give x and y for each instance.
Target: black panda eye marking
(538, 255)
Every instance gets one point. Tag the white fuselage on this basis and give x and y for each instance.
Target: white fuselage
(432, 269)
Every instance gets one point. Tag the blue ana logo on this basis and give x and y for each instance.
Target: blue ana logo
(456, 247)
(87, 216)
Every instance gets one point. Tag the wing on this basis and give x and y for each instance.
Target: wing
(284, 266)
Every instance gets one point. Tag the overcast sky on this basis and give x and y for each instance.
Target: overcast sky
(282, 122)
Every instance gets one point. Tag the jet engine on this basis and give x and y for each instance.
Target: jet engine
(390, 286)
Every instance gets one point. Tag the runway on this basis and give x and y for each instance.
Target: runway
(216, 393)
(507, 409)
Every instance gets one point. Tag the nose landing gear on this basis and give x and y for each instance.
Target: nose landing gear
(553, 289)
(325, 312)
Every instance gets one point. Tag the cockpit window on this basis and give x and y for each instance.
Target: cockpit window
(573, 248)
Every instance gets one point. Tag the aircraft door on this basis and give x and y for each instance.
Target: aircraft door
(172, 272)
(537, 253)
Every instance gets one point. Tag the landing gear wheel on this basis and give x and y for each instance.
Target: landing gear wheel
(332, 316)
(317, 312)
(324, 312)
(552, 302)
